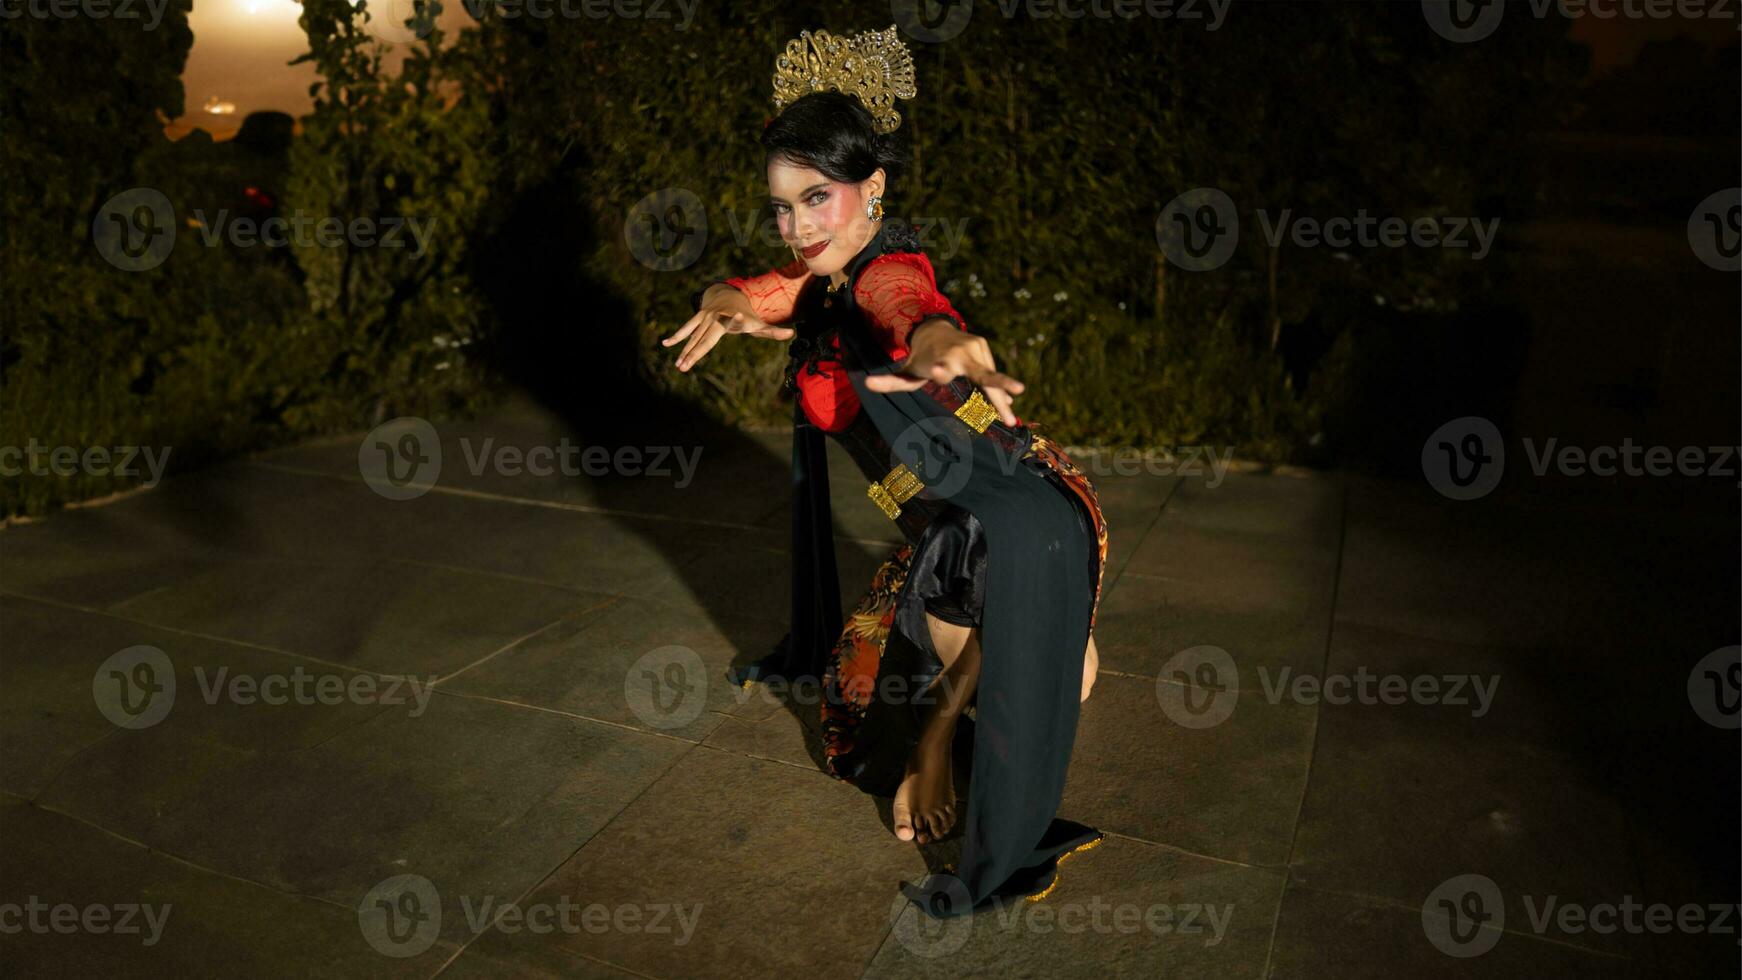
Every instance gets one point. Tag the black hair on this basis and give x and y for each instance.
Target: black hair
(832, 133)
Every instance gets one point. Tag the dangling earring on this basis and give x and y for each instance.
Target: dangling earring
(874, 207)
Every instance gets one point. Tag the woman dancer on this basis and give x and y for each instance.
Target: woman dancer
(989, 604)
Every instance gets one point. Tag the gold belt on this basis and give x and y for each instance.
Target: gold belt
(900, 485)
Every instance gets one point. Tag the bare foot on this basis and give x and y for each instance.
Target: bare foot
(1091, 663)
(925, 802)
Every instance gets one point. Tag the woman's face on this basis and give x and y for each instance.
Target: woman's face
(825, 217)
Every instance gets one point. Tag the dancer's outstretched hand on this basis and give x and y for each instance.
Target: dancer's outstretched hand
(710, 324)
(941, 352)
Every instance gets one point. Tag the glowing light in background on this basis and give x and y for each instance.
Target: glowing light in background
(286, 10)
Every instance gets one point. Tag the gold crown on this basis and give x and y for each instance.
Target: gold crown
(872, 66)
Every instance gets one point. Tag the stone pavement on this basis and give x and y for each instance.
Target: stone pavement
(578, 792)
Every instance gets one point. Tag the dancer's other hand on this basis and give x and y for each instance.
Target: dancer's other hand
(939, 351)
(715, 320)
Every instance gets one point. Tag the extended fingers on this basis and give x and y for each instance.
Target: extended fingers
(685, 330)
(893, 382)
(703, 341)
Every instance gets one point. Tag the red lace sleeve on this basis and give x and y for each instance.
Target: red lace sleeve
(774, 293)
(898, 291)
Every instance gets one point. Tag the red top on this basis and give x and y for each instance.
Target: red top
(895, 293)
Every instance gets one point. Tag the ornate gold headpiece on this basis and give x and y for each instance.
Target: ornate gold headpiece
(872, 66)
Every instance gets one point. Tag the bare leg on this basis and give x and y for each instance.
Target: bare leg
(925, 803)
(1091, 665)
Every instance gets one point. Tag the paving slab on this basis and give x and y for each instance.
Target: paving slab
(1229, 790)
(774, 870)
(65, 693)
(1320, 934)
(1405, 798)
(480, 798)
(1122, 908)
(381, 614)
(632, 663)
(136, 912)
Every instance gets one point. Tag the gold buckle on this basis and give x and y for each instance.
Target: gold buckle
(977, 412)
(894, 490)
